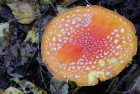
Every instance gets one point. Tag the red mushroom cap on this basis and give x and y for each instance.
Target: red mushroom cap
(87, 44)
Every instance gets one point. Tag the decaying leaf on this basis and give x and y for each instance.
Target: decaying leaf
(27, 51)
(32, 36)
(23, 11)
(4, 28)
(12, 90)
(29, 87)
(4, 34)
(37, 9)
(55, 86)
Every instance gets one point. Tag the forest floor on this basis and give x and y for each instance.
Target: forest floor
(22, 23)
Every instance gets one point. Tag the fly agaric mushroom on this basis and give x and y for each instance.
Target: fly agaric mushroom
(88, 44)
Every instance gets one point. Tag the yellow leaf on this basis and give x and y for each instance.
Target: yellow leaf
(27, 84)
(23, 11)
(12, 90)
(32, 36)
(45, 1)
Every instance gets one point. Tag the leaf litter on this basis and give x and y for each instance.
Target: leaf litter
(21, 27)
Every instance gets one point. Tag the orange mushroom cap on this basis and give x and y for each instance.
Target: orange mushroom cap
(88, 44)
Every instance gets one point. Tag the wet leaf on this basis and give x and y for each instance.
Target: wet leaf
(32, 36)
(12, 90)
(23, 11)
(4, 34)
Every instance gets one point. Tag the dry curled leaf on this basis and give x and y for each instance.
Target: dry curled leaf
(23, 11)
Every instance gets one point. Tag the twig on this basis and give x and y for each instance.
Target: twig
(131, 90)
(39, 60)
(40, 70)
(43, 78)
(88, 2)
(44, 71)
(53, 7)
(77, 89)
(133, 71)
(111, 84)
